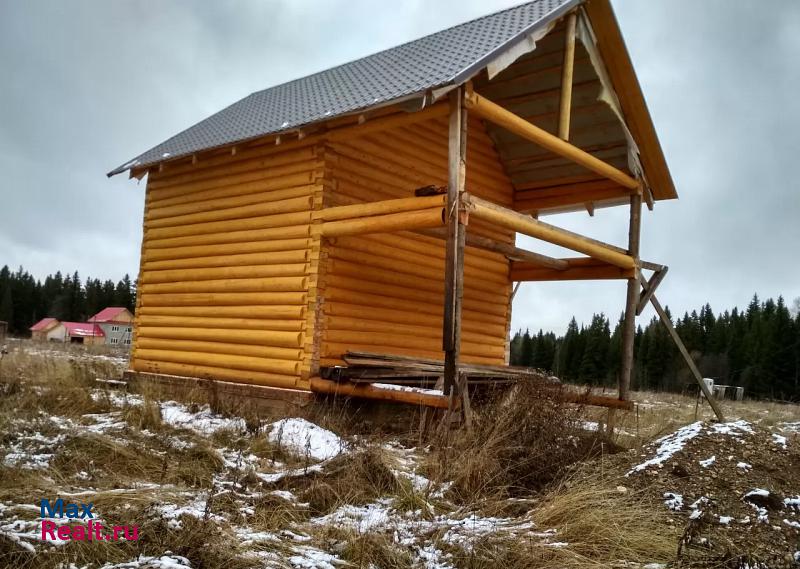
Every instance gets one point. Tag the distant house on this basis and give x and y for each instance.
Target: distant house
(83, 333)
(116, 323)
(48, 329)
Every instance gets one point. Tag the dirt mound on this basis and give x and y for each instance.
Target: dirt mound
(734, 487)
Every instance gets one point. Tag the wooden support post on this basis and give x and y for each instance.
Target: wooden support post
(632, 300)
(456, 234)
(565, 104)
(685, 353)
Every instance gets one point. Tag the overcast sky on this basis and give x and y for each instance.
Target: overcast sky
(87, 85)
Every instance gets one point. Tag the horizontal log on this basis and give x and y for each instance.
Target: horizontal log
(211, 372)
(433, 217)
(540, 230)
(596, 400)
(261, 222)
(267, 246)
(255, 337)
(471, 321)
(268, 352)
(273, 284)
(262, 180)
(582, 268)
(292, 205)
(244, 260)
(475, 269)
(389, 339)
(246, 236)
(429, 306)
(210, 322)
(216, 273)
(223, 299)
(247, 363)
(432, 332)
(379, 208)
(389, 283)
(386, 123)
(261, 312)
(496, 114)
(368, 391)
(332, 350)
(201, 205)
(232, 173)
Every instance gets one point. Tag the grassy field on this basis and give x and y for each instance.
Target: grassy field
(529, 486)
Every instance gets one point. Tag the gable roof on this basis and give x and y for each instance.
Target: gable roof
(448, 57)
(44, 324)
(83, 329)
(109, 314)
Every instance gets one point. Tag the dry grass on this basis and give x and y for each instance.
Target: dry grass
(515, 447)
(357, 478)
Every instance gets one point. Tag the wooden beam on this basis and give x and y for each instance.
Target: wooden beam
(565, 104)
(631, 299)
(456, 234)
(379, 208)
(581, 268)
(651, 289)
(522, 223)
(510, 251)
(403, 221)
(685, 353)
(596, 400)
(369, 391)
(493, 112)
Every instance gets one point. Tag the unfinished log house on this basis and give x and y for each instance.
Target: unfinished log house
(290, 229)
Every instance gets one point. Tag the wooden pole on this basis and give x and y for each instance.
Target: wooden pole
(685, 353)
(456, 234)
(631, 301)
(493, 112)
(565, 106)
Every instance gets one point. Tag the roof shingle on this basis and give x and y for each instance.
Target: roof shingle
(447, 57)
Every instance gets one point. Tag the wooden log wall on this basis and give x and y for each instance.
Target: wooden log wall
(384, 292)
(228, 277)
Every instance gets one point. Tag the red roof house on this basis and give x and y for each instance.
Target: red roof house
(113, 314)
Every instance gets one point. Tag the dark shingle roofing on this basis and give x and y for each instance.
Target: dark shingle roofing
(447, 57)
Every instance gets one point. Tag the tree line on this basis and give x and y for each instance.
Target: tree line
(25, 300)
(757, 348)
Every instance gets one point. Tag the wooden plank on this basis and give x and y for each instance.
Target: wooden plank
(565, 103)
(631, 300)
(519, 126)
(454, 256)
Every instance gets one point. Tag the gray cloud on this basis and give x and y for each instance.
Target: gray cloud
(89, 84)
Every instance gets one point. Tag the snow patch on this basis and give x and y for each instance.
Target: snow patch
(303, 438)
(708, 462)
(673, 501)
(204, 421)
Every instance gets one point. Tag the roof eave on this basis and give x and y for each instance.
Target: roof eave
(615, 55)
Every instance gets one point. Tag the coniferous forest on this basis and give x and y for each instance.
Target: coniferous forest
(757, 348)
(25, 300)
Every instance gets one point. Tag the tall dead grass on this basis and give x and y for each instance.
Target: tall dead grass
(520, 443)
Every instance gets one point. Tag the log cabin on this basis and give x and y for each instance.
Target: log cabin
(373, 207)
